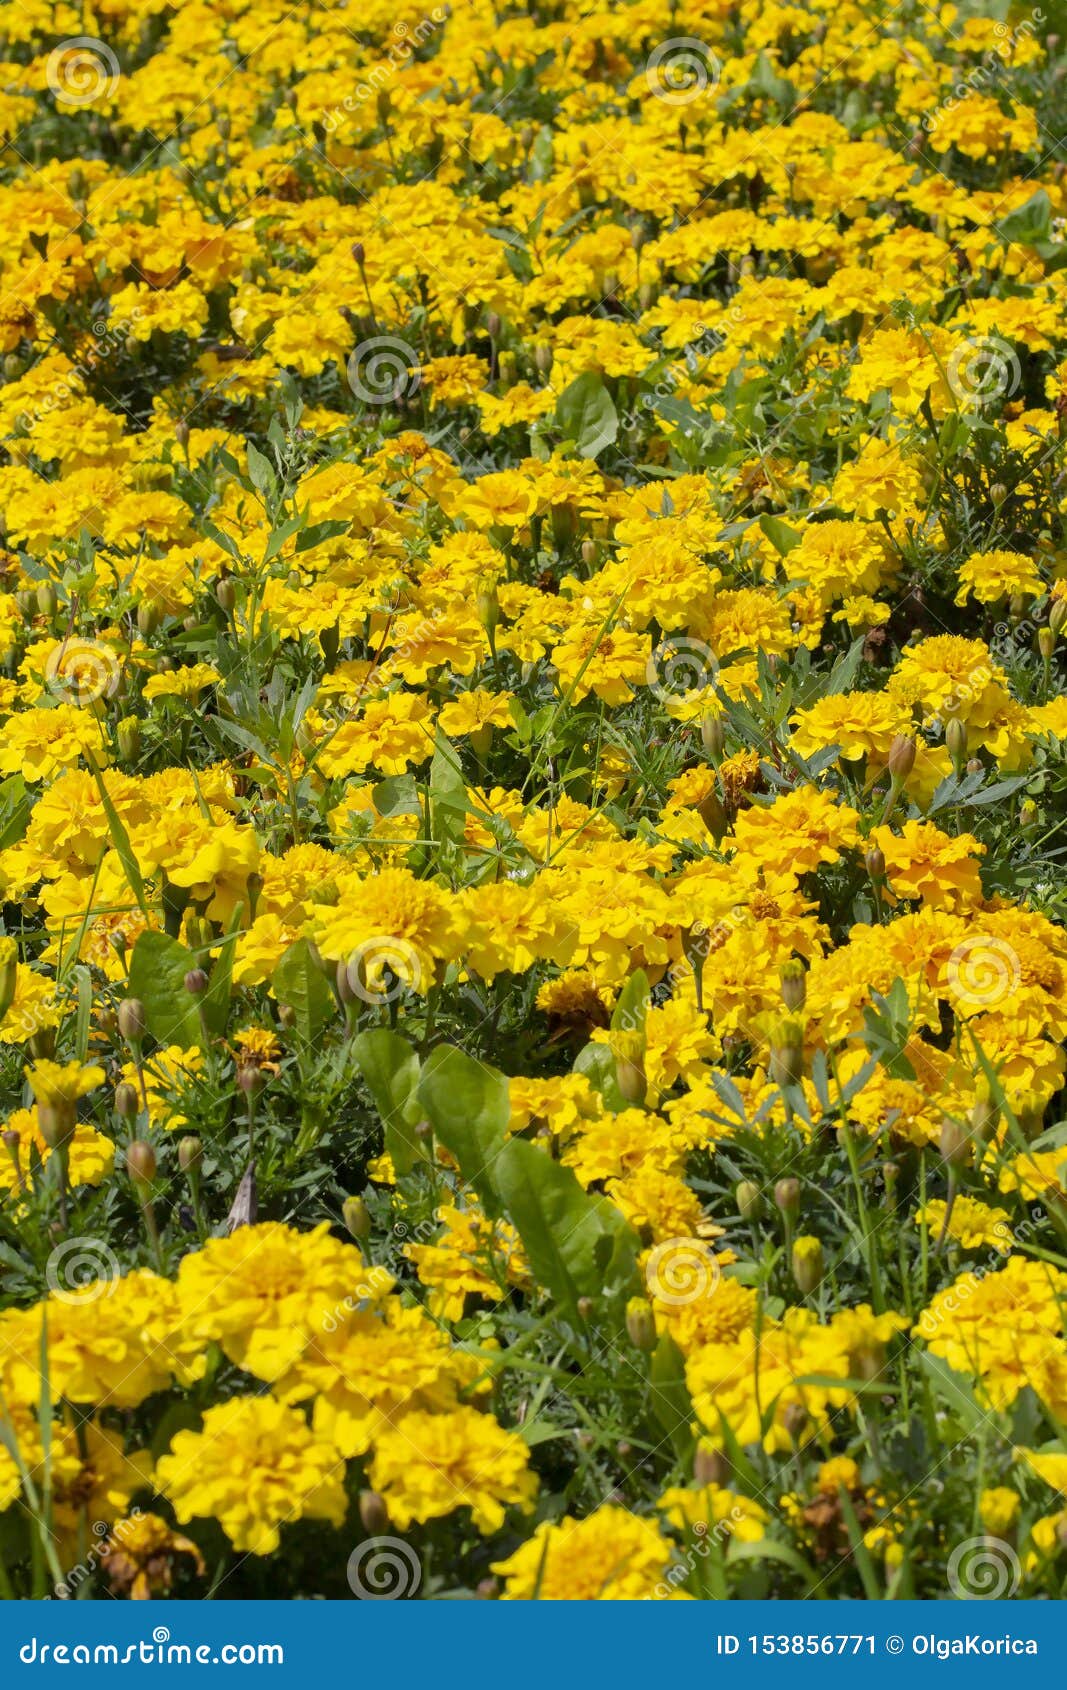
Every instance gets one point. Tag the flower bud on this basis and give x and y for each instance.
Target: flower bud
(226, 595)
(129, 738)
(955, 1144)
(956, 740)
(149, 617)
(787, 1197)
(190, 1154)
(196, 982)
(874, 861)
(641, 1324)
(356, 1216)
(251, 1079)
(795, 1419)
(487, 604)
(140, 1163)
(1057, 615)
(1028, 813)
(902, 756)
(373, 1513)
(585, 1307)
(1046, 644)
(133, 1023)
(628, 1050)
(749, 1199)
(710, 1466)
(127, 1102)
(57, 1122)
(891, 1176)
(713, 736)
(794, 984)
(807, 1264)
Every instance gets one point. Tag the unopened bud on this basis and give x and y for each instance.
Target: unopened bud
(710, 1466)
(487, 604)
(641, 1324)
(127, 1102)
(794, 984)
(190, 1153)
(874, 861)
(955, 1144)
(713, 736)
(749, 1199)
(226, 595)
(1057, 615)
(129, 738)
(133, 1023)
(356, 1216)
(196, 982)
(956, 740)
(149, 617)
(787, 1197)
(807, 1264)
(902, 756)
(373, 1512)
(1046, 644)
(140, 1163)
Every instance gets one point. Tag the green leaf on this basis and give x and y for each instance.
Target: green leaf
(120, 839)
(15, 807)
(260, 470)
(586, 414)
(391, 1069)
(597, 1063)
(577, 1244)
(158, 967)
(632, 1006)
(448, 794)
(782, 537)
(1028, 223)
(467, 1104)
(299, 982)
(215, 1003)
(953, 1390)
(670, 1400)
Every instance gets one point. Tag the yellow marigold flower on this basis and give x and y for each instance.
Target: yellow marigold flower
(186, 683)
(611, 1555)
(988, 576)
(265, 1291)
(973, 1224)
(54, 1084)
(390, 921)
(922, 862)
(998, 1510)
(472, 1256)
(253, 1466)
(724, 1513)
(428, 1465)
(90, 1156)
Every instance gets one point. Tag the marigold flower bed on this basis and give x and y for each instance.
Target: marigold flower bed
(532, 802)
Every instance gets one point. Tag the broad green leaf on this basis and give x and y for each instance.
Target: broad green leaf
(577, 1245)
(586, 414)
(299, 982)
(597, 1063)
(391, 1070)
(782, 537)
(466, 1102)
(632, 1007)
(215, 1003)
(158, 967)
